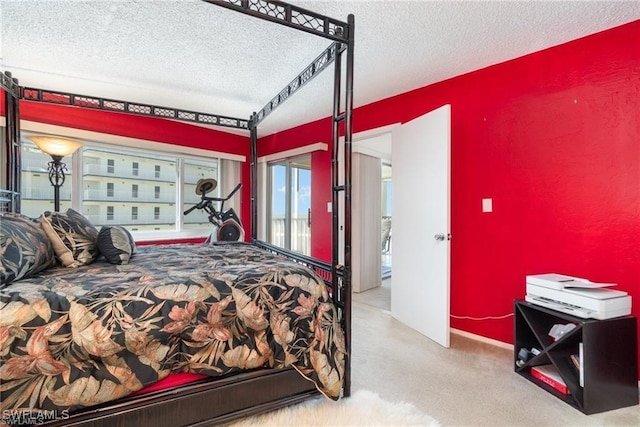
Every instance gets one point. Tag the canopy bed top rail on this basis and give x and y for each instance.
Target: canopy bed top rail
(290, 16)
(85, 101)
(325, 59)
(274, 11)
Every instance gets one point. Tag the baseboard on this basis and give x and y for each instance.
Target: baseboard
(480, 338)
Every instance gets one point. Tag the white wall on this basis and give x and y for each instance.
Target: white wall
(367, 213)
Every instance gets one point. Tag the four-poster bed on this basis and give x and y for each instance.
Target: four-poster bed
(235, 393)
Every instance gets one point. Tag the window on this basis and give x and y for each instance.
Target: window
(107, 172)
(289, 213)
(142, 186)
(193, 171)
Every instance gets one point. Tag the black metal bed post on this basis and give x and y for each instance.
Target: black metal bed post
(253, 129)
(12, 140)
(337, 288)
(348, 136)
(335, 180)
(17, 147)
(343, 292)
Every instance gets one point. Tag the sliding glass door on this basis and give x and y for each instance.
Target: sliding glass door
(289, 221)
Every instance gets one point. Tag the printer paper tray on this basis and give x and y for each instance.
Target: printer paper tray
(575, 311)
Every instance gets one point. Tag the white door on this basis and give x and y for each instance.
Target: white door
(421, 224)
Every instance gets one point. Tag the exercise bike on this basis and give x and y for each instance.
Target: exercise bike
(227, 225)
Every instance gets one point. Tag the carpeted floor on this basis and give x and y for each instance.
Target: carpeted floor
(363, 408)
(472, 383)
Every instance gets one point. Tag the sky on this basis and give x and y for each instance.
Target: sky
(303, 193)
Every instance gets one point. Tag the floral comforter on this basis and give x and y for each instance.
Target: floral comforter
(73, 338)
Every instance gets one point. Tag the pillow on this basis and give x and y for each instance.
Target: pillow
(73, 237)
(116, 244)
(24, 248)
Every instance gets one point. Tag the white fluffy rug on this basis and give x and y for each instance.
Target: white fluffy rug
(362, 408)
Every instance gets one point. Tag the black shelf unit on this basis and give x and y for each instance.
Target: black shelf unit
(609, 356)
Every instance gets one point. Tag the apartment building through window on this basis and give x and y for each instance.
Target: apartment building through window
(112, 192)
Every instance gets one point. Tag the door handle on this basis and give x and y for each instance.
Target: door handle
(441, 237)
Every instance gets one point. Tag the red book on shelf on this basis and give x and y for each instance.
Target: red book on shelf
(548, 374)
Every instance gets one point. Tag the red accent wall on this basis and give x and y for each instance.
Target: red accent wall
(129, 125)
(554, 139)
(168, 242)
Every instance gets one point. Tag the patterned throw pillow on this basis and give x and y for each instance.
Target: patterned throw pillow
(116, 244)
(73, 237)
(24, 248)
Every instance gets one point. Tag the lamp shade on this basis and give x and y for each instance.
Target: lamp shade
(55, 145)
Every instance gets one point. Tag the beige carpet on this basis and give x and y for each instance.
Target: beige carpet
(363, 408)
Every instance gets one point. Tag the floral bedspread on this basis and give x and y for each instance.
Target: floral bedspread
(79, 337)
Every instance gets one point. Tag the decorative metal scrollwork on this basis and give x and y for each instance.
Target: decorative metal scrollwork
(320, 63)
(9, 84)
(64, 98)
(291, 16)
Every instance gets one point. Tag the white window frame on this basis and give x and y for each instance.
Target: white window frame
(181, 153)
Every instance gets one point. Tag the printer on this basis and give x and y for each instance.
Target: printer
(576, 296)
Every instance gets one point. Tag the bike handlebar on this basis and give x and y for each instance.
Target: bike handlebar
(222, 199)
(205, 199)
(234, 191)
(199, 205)
(191, 209)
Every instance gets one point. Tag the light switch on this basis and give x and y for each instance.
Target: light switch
(328, 206)
(487, 205)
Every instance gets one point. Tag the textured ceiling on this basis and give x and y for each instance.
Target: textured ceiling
(196, 56)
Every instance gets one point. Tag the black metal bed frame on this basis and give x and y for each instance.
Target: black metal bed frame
(337, 273)
(10, 195)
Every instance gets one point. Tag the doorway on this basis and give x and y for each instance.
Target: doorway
(419, 295)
